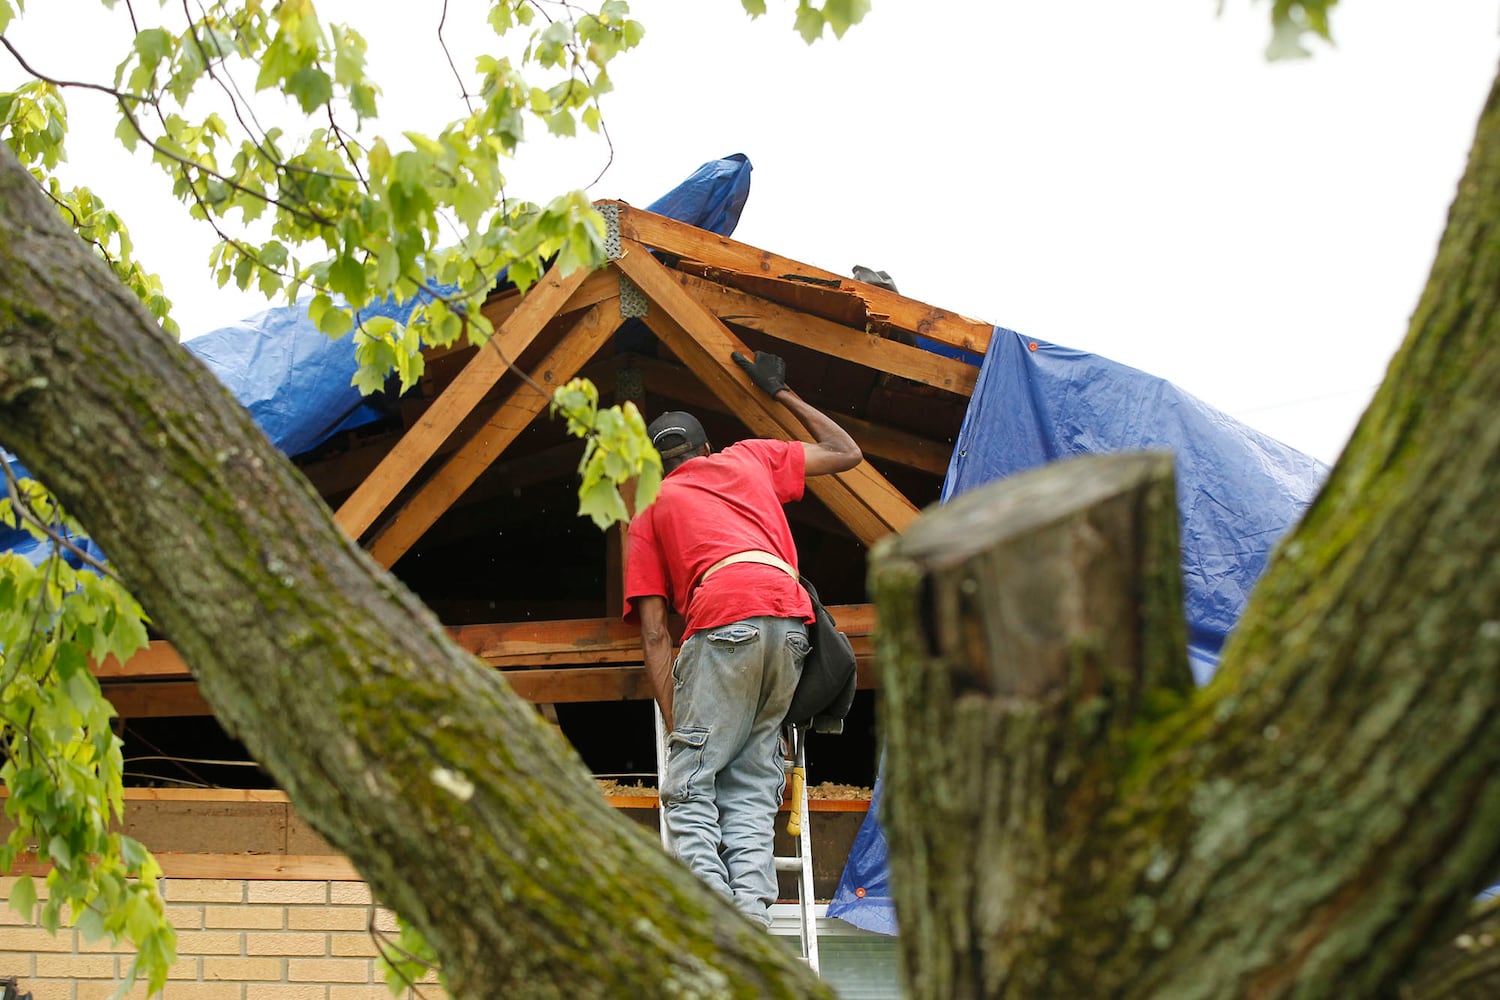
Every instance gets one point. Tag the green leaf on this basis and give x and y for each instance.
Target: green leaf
(152, 44)
(809, 22)
(90, 925)
(311, 87)
(23, 897)
(755, 8)
(841, 14)
(601, 501)
(127, 133)
(141, 918)
(59, 851)
(346, 277)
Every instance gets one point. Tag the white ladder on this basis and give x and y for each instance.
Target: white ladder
(797, 826)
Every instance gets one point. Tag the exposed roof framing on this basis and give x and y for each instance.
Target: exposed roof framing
(472, 482)
(691, 308)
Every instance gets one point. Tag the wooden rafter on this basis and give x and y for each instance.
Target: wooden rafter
(683, 240)
(743, 309)
(545, 299)
(862, 498)
(512, 416)
(874, 439)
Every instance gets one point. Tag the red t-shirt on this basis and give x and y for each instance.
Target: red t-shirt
(710, 507)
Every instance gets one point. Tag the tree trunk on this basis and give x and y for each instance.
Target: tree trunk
(1322, 812)
(457, 804)
(1029, 618)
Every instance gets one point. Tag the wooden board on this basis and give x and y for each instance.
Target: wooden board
(684, 240)
(847, 343)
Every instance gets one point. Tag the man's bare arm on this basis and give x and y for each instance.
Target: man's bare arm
(835, 450)
(656, 647)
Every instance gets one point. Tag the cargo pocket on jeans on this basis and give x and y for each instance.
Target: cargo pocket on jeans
(684, 761)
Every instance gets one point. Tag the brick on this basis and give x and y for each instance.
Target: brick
(374, 991)
(260, 918)
(360, 945)
(327, 970)
(35, 940)
(349, 893)
(172, 991)
(104, 989)
(301, 991)
(186, 918)
(241, 970)
(104, 946)
(385, 920)
(186, 967)
(210, 943)
(327, 918)
(202, 991)
(265, 891)
(49, 989)
(285, 943)
(75, 967)
(203, 890)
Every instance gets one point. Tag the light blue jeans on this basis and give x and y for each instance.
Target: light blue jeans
(731, 687)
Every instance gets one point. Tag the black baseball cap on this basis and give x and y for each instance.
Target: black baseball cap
(676, 433)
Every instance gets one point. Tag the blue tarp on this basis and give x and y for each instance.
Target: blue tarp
(1238, 492)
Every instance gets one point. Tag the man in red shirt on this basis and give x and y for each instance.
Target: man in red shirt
(716, 547)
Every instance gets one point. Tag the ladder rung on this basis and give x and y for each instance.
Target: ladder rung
(788, 864)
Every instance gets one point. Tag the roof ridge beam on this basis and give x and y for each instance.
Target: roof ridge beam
(683, 240)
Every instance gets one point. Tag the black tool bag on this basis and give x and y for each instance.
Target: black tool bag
(826, 688)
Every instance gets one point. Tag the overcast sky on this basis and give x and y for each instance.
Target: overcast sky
(1131, 179)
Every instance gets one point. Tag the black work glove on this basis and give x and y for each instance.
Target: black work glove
(767, 371)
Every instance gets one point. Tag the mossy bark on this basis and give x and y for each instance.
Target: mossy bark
(461, 808)
(1319, 817)
(1026, 627)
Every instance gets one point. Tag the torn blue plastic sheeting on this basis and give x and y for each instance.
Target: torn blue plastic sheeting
(1238, 493)
(296, 381)
(711, 198)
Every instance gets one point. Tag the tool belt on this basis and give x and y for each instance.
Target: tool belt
(750, 556)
